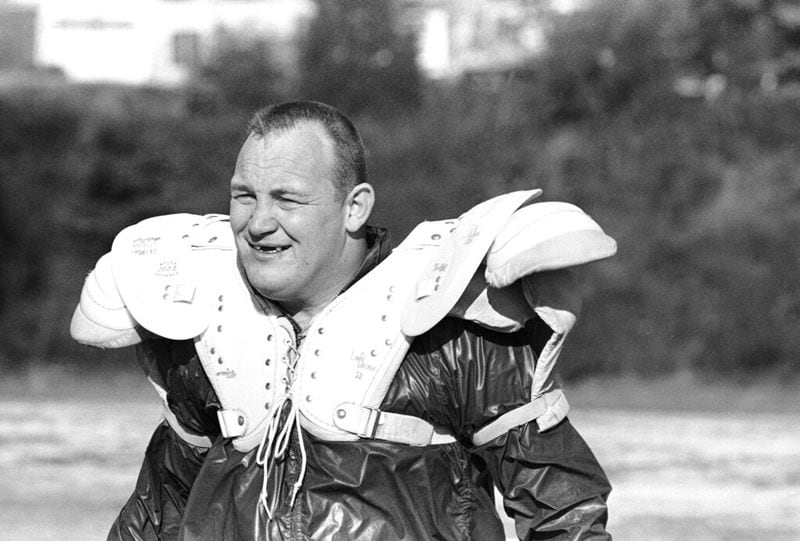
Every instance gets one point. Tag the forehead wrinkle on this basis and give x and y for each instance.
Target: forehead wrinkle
(272, 156)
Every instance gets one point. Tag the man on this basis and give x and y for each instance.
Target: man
(319, 385)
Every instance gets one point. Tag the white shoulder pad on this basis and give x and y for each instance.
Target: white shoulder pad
(158, 277)
(454, 262)
(101, 318)
(545, 236)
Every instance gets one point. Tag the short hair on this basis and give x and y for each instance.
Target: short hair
(351, 166)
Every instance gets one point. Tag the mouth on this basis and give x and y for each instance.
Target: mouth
(269, 250)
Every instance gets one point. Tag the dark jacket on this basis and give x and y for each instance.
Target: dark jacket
(459, 376)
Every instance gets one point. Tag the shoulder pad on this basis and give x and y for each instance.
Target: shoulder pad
(455, 260)
(545, 236)
(157, 277)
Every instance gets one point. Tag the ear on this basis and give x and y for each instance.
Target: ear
(358, 206)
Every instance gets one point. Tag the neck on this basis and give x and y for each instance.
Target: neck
(304, 311)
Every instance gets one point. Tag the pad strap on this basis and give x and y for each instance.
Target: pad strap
(548, 410)
(372, 423)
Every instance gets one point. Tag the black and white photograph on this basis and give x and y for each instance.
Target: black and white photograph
(356, 270)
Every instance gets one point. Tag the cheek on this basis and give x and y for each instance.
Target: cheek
(239, 216)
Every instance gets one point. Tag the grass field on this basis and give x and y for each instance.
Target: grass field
(688, 461)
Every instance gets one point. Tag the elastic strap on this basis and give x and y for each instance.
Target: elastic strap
(372, 423)
(548, 410)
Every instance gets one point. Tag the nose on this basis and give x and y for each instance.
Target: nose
(262, 221)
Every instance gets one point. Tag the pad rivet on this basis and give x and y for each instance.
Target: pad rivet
(267, 386)
(388, 342)
(341, 414)
(373, 353)
(267, 405)
(241, 420)
(219, 360)
(308, 398)
(436, 236)
(221, 297)
(213, 351)
(267, 362)
(383, 317)
(269, 338)
(212, 239)
(313, 375)
(321, 330)
(316, 352)
(220, 308)
(219, 328)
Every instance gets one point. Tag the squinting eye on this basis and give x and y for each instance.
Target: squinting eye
(285, 202)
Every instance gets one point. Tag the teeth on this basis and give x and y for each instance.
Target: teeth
(270, 249)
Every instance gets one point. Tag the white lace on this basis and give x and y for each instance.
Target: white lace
(275, 441)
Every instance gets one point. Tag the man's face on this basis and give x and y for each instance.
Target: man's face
(287, 219)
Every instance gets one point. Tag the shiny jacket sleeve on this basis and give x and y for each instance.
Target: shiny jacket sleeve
(552, 484)
(155, 509)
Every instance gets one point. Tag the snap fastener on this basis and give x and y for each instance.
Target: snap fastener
(308, 398)
(341, 414)
(316, 352)
(373, 353)
(313, 375)
(269, 338)
(388, 342)
(241, 420)
(267, 405)
(221, 297)
(213, 351)
(212, 239)
(321, 330)
(436, 236)
(219, 328)
(219, 360)
(267, 362)
(384, 317)
(267, 386)
(165, 296)
(219, 308)
(185, 237)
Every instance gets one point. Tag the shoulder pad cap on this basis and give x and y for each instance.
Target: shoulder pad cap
(157, 276)
(545, 236)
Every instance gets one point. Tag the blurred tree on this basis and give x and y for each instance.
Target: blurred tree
(601, 58)
(241, 71)
(355, 57)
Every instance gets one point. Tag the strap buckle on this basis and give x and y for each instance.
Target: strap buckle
(232, 423)
(371, 423)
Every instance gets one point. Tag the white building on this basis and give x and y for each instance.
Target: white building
(143, 41)
(157, 42)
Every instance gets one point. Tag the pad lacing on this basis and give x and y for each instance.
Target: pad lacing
(283, 417)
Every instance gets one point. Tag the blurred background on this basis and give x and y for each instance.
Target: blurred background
(674, 123)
